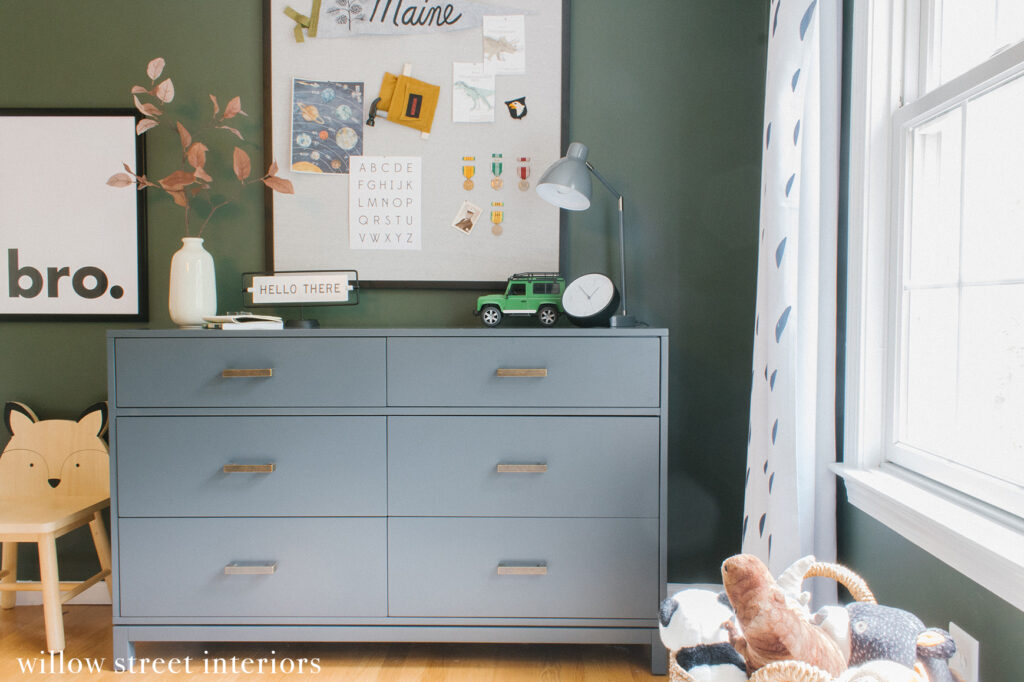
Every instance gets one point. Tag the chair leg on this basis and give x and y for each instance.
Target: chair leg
(9, 564)
(99, 538)
(52, 607)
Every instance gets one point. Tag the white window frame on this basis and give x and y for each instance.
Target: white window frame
(983, 544)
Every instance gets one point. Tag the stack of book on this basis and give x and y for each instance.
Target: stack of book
(243, 320)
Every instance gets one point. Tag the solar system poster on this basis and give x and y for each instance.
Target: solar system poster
(327, 125)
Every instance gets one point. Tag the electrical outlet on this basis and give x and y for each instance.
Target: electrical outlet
(965, 661)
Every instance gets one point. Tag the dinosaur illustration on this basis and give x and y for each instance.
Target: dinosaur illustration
(476, 95)
(497, 48)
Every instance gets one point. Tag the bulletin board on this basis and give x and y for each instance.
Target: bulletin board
(386, 200)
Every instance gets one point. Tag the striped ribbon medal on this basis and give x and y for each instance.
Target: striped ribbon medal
(496, 166)
(497, 216)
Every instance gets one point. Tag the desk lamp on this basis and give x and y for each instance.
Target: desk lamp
(566, 184)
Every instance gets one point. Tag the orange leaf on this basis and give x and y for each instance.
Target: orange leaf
(179, 197)
(147, 109)
(144, 182)
(233, 108)
(177, 180)
(242, 164)
(197, 155)
(186, 137)
(165, 91)
(229, 128)
(144, 125)
(120, 180)
(155, 68)
(273, 168)
(279, 185)
(216, 107)
(127, 168)
(138, 90)
(201, 174)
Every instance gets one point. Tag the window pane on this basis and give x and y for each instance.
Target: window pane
(993, 231)
(963, 371)
(934, 227)
(928, 398)
(990, 399)
(967, 32)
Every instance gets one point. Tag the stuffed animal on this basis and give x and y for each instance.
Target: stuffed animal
(772, 628)
(690, 624)
(873, 632)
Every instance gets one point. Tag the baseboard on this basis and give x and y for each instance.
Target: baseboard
(672, 588)
(96, 594)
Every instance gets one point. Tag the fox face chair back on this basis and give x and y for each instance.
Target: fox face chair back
(55, 456)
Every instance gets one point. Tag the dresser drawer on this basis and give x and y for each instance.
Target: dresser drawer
(523, 466)
(577, 372)
(324, 567)
(588, 568)
(322, 466)
(303, 372)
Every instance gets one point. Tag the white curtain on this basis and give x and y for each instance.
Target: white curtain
(789, 508)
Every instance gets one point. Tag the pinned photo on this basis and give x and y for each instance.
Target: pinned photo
(466, 218)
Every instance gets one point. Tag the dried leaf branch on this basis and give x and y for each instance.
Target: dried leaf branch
(192, 181)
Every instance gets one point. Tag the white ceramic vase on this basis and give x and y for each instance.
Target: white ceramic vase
(193, 287)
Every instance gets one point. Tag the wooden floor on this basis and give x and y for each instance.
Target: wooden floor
(88, 640)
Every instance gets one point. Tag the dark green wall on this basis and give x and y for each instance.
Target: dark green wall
(667, 94)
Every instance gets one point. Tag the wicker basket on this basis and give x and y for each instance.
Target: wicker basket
(794, 671)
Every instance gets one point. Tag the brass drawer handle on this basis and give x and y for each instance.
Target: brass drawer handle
(531, 373)
(522, 569)
(522, 468)
(249, 468)
(251, 568)
(246, 373)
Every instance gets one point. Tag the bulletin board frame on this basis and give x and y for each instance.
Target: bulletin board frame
(310, 230)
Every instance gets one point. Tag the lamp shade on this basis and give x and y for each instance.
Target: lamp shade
(566, 183)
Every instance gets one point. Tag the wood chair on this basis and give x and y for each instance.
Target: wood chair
(54, 478)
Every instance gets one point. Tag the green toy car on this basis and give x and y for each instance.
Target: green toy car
(527, 293)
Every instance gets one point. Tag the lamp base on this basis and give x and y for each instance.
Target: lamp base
(622, 321)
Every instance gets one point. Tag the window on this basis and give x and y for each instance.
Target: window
(935, 352)
(545, 287)
(517, 289)
(957, 375)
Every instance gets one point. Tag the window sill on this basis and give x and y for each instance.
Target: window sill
(986, 551)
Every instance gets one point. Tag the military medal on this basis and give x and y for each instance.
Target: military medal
(496, 165)
(468, 171)
(497, 215)
(524, 172)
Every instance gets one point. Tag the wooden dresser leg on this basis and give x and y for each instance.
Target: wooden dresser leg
(52, 614)
(9, 564)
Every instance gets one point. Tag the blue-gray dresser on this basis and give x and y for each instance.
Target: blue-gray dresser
(429, 485)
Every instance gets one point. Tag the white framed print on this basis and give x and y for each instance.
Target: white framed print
(71, 246)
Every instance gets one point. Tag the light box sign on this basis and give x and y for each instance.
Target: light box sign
(334, 287)
(71, 246)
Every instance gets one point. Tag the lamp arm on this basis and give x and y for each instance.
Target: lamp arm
(622, 241)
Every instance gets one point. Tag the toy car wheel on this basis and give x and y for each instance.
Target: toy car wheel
(548, 315)
(491, 315)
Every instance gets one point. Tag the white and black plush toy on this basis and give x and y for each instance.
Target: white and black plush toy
(874, 632)
(690, 623)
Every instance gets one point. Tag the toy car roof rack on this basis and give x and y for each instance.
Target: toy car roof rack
(535, 275)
